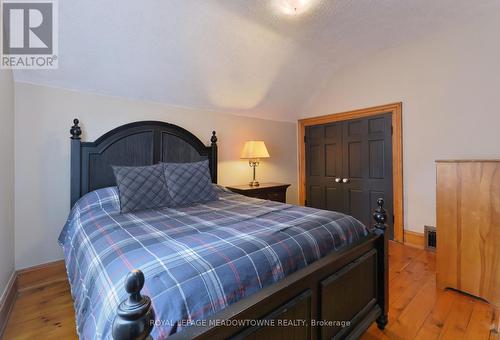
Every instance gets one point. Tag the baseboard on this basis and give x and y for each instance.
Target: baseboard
(7, 302)
(40, 276)
(414, 239)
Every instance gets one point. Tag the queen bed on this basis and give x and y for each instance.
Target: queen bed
(236, 267)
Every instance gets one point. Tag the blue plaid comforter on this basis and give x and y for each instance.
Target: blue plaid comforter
(197, 260)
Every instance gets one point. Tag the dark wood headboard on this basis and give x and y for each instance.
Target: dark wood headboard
(134, 144)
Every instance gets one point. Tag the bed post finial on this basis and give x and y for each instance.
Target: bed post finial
(75, 131)
(380, 215)
(76, 162)
(213, 158)
(135, 317)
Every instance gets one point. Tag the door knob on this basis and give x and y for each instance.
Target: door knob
(337, 180)
(345, 180)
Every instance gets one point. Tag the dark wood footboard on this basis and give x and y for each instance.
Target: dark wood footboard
(337, 297)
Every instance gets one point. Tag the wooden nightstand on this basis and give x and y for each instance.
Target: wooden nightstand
(267, 191)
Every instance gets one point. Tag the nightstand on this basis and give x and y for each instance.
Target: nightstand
(267, 191)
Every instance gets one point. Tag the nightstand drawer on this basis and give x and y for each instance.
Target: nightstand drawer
(266, 191)
(272, 196)
(277, 196)
(262, 196)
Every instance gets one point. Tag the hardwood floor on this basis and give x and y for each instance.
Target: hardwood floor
(417, 309)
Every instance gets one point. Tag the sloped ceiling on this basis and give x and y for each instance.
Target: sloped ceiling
(244, 57)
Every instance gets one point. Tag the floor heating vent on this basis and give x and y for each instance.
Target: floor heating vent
(430, 237)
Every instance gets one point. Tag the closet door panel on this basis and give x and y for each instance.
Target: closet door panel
(323, 165)
(349, 166)
(367, 166)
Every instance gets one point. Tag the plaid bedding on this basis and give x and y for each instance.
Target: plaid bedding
(197, 260)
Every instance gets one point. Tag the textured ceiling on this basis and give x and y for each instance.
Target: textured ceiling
(243, 57)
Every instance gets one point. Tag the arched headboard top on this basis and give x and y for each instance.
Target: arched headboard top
(134, 144)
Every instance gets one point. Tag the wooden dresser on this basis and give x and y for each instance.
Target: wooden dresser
(468, 227)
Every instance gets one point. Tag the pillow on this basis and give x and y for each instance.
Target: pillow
(189, 183)
(141, 187)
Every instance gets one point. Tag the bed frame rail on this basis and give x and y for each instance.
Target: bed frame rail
(337, 297)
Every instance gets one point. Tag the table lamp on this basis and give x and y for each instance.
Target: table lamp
(254, 150)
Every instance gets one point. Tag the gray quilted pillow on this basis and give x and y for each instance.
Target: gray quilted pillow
(189, 183)
(141, 187)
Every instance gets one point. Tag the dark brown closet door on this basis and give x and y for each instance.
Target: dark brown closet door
(367, 166)
(349, 165)
(323, 166)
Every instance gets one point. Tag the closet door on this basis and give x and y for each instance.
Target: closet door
(324, 166)
(349, 166)
(367, 166)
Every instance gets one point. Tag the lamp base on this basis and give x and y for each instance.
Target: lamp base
(254, 183)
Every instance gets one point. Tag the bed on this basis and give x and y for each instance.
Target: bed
(237, 267)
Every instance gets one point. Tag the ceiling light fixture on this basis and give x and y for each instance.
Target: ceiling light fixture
(293, 7)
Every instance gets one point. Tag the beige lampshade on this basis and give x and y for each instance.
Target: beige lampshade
(254, 149)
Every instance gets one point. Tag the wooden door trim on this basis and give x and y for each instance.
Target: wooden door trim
(397, 153)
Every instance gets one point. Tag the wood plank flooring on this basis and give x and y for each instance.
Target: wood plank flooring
(418, 310)
(43, 313)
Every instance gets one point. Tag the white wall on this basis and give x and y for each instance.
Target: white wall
(43, 118)
(449, 85)
(6, 179)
